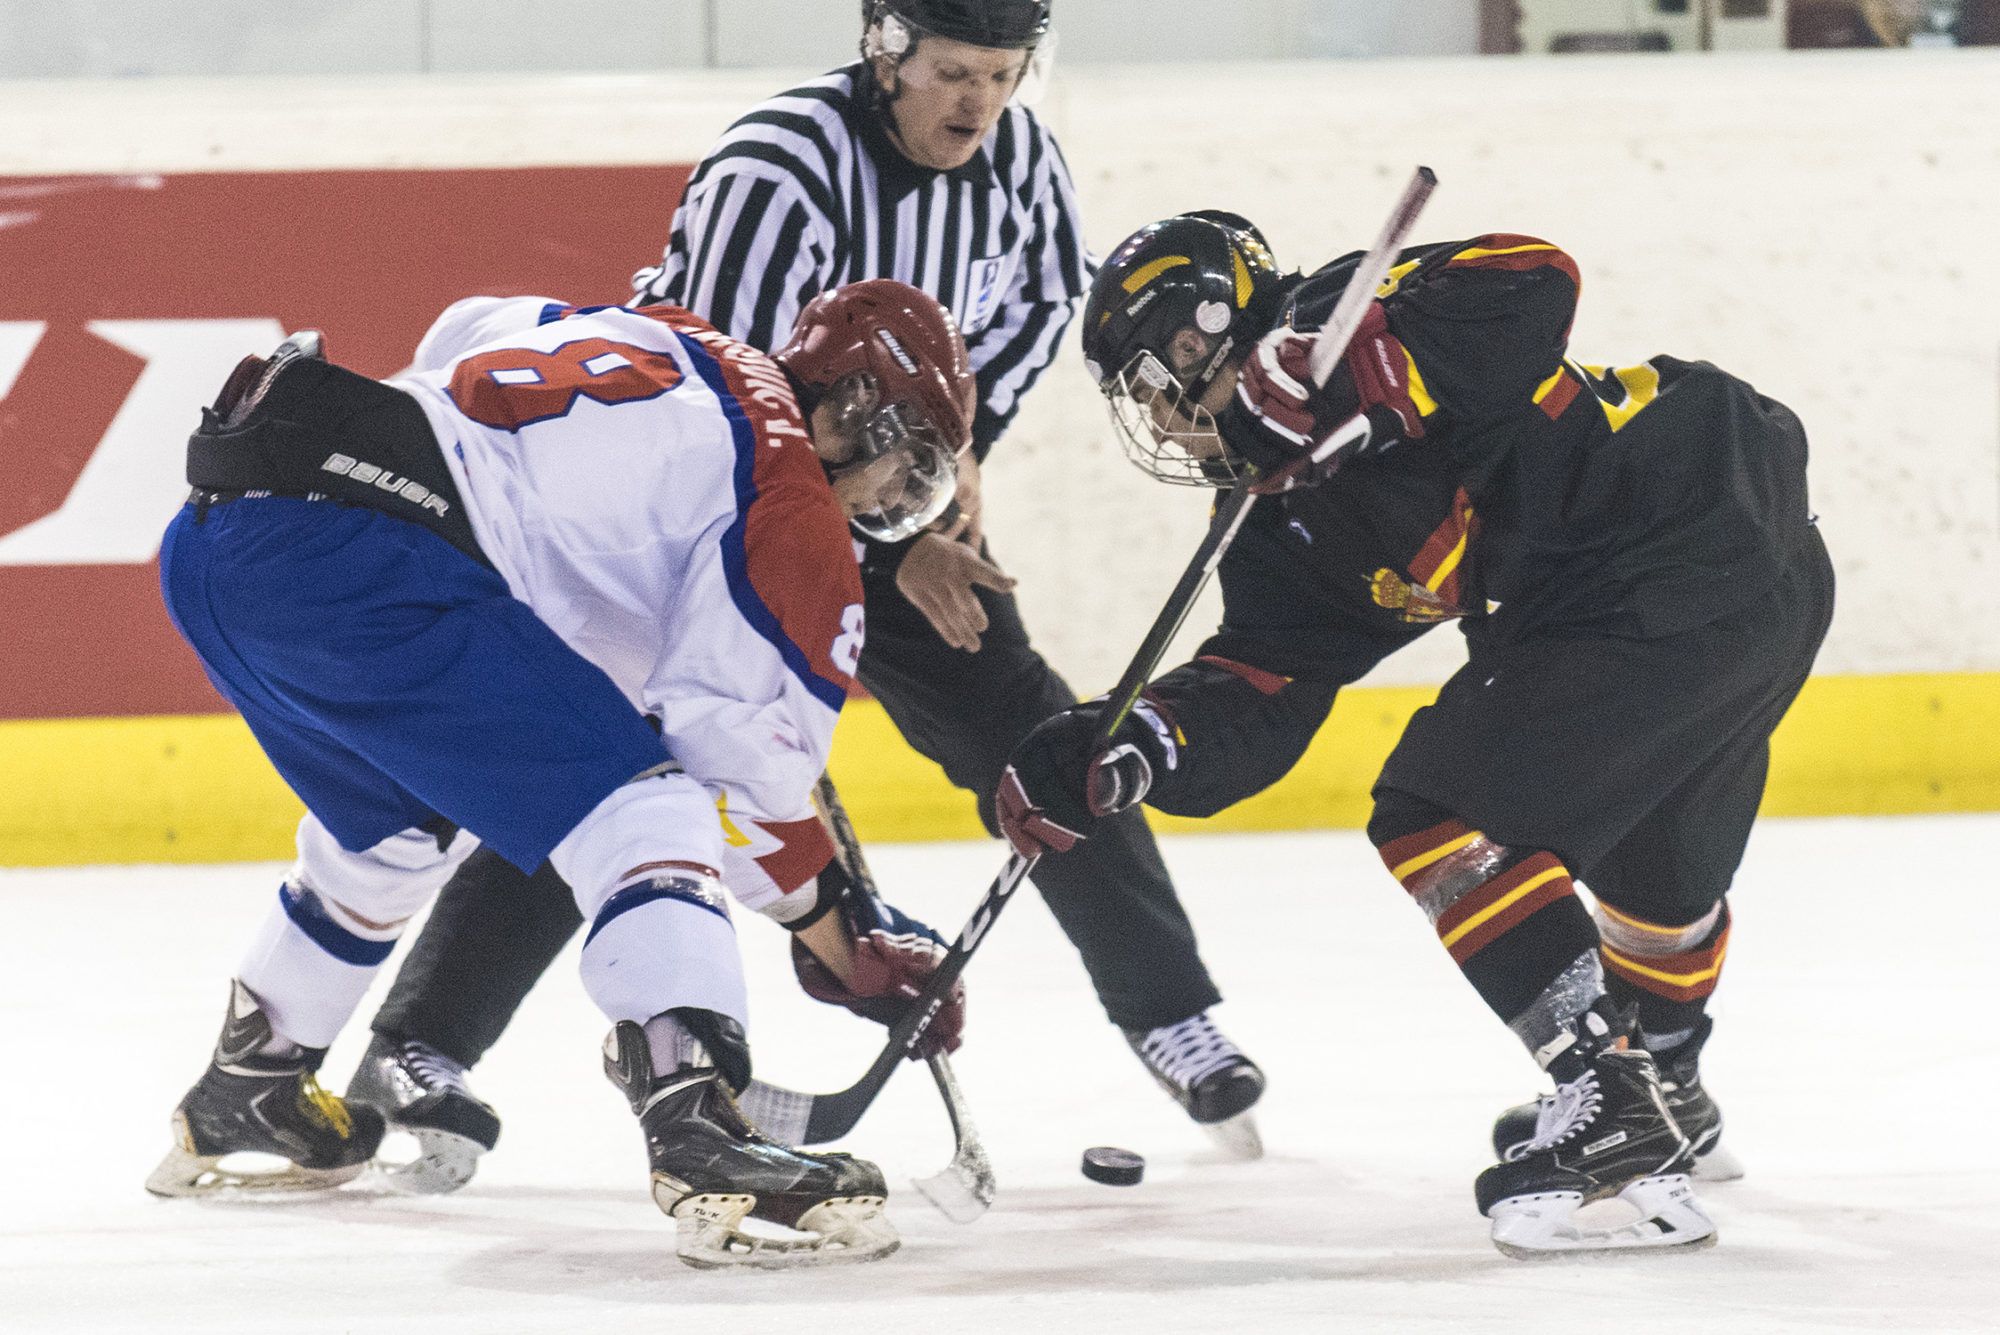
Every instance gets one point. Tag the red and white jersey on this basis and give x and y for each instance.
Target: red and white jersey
(647, 486)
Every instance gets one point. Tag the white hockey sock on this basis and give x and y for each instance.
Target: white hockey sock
(642, 866)
(338, 916)
(310, 963)
(660, 943)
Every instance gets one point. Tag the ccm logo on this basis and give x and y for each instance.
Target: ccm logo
(416, 493)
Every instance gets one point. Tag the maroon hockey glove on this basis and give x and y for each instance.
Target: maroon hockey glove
(894, 955)
(1061, 780)
(1299, 434)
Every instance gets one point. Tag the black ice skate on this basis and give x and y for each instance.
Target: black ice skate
(423, 1093)
(1209, 1077)
(263, 1104)
(1695, 1112)
(1605, 1133)
(714, 1172)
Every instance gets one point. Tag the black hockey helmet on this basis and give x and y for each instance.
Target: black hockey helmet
(1174, 305)
(1010, 25)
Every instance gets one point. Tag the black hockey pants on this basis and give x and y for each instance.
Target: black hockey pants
(495, 930)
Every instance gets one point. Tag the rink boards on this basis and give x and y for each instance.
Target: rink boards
(196, 788)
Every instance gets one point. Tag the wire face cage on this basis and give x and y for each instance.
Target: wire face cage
(1166, 432)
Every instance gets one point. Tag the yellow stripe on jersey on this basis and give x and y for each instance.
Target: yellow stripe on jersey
(732, 833)
(1477, 252)
(1395, 278)
(1449, 564)
(1548, 387)
(1420, 394)
(1641, 384)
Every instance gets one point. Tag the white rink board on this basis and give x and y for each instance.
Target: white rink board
(1855, 1061)
(1820, 223)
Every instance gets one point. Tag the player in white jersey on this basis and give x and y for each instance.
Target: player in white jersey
(580, 585)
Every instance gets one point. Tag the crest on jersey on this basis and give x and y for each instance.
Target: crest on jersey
(985, 284)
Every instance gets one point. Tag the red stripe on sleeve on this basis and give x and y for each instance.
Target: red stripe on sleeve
(804, 849)
(1556, 400)
(799, 554)
(1266, 683)
(1543, 256)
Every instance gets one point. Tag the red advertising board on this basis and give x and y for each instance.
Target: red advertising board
(124, 301)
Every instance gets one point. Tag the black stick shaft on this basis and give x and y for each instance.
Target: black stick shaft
(834, 1115)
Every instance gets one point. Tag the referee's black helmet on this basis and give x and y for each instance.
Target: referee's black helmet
(1177, 303)
(1009, 25)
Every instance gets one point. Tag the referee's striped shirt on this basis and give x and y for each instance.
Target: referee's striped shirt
(806, 193)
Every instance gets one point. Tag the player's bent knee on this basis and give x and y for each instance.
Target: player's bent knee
(1398, 815)
(658, 821)
(380, 887)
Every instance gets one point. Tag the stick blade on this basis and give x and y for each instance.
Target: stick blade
(963, 1189)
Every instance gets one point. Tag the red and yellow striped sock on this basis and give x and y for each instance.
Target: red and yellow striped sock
(1511, 920)
(1667, 970)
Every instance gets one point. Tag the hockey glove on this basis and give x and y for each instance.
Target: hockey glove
(1299, 434)
(1061, 779)
(893, 955)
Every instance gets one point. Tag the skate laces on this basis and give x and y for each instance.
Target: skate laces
(432, 1069)
(1189, 1052)
(1560, 1115)
(322, 1107)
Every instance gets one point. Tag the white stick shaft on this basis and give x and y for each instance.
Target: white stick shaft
(1339, 329)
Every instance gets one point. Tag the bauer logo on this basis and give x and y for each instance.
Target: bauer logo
(896, 350)
(416, 493)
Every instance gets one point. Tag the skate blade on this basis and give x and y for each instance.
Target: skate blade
(711, 1233)
(963, 1190)
(183, 1174)
(444, 1162)
(1717, 1164)
(1237, 1137)
(1545, 1226)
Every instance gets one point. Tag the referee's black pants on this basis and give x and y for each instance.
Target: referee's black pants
(494, 930)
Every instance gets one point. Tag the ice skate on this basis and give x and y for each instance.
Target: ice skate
(1209, 1077)
(250, 1102)
(423, 1093)
(1695, 1112)
(1604, 1136)
(737, 1197)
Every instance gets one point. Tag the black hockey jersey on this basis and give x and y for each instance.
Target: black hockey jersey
(1546, 496)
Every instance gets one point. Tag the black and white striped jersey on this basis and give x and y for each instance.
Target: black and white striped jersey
(806, 192)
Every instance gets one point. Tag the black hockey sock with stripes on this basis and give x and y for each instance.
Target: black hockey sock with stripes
(1665, 970)
(1510, 917)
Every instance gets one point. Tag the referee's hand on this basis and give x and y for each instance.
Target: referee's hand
(941, 576)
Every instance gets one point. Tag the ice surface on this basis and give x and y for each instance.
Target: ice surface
(1855, 1060)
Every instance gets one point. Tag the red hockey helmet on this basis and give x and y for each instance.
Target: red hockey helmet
(891, 362)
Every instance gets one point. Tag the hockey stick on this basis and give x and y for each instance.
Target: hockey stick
(1338, 332)
(824, 1117)
(965, 1187)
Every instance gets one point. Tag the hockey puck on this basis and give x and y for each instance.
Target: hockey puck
(1112, 1166)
